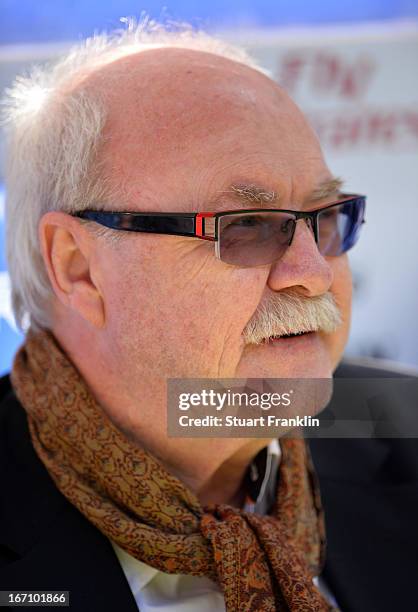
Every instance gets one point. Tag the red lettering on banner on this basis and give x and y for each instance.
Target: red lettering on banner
(382, 127)
(291, 71)
(373, 127)
(411, 122)
(326, 73)
(348, 80)
(346, 131)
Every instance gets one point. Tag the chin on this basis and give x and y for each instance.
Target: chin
(304, 356)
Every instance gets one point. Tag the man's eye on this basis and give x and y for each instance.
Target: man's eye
(252, 221)
(286, 226)
(328, 214)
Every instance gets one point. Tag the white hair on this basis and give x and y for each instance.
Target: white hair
(53, 136)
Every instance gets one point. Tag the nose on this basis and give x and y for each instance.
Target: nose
(302, 267)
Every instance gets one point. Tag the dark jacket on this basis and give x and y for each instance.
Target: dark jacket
(369, 490)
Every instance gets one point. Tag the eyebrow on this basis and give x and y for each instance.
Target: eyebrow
(326, 189)
(255, 195)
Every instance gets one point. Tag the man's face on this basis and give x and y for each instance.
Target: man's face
(183, 127)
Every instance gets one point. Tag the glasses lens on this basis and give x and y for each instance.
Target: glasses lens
(253, 239)
(339, 227)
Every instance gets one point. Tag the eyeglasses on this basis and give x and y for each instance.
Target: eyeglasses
(251, 237)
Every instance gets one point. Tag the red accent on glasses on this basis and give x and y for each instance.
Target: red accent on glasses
(200, 226)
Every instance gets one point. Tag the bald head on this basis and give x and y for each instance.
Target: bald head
(179, 114)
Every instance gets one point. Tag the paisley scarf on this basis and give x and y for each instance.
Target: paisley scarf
(261, 563)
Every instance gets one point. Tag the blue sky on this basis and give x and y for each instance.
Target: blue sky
(49, 20)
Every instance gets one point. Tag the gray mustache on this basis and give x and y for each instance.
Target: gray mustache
(289, 313)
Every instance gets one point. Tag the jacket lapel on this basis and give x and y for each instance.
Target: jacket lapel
(371, 526)
(45, 543)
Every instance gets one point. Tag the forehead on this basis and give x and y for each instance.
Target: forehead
(196, 122)
(161, 92)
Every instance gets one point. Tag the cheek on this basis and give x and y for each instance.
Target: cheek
(180, 311)
(342, 291)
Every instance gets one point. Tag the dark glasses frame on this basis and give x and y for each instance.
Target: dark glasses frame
(203, 225)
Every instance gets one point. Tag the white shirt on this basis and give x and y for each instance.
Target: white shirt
(156, 591)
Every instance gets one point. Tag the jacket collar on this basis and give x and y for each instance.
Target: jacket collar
(51, 544)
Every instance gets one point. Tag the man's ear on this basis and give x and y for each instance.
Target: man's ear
(67, 250)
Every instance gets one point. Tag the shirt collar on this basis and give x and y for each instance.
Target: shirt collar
(138, 574)
(261, 479)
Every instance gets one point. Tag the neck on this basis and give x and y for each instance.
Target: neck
(213, 469)
(225, 484)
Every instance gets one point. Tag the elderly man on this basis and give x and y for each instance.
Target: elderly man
(170, 215)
